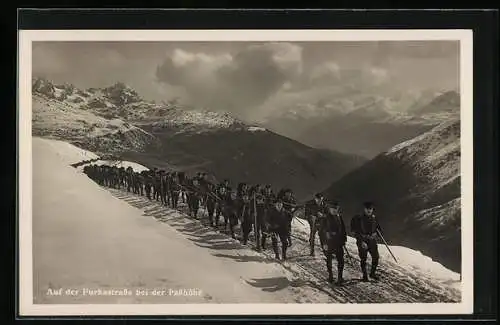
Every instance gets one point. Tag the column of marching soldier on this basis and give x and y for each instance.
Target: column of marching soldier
(257, 207)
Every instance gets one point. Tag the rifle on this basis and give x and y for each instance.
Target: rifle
(387, 246)
(299, 220)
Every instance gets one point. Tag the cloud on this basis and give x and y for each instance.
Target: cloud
(47, 60)
(235, 82)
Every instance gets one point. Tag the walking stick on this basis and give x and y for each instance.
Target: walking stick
(387, 246)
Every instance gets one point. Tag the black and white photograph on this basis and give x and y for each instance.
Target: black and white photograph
(245, 172)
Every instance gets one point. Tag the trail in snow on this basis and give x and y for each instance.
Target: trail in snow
(398, 283)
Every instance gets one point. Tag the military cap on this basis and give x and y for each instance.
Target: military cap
(368, 204)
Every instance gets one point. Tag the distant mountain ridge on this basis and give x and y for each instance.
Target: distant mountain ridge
(116, 120)
(365, 123)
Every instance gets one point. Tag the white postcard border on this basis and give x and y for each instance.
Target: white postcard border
(25, 267)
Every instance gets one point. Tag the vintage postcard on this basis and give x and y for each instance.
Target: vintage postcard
(245, 172)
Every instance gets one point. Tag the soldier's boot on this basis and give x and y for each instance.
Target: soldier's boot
(263, 242)
(258, 240)
(283, 251)
(330, 276)
(340, 278)
(363, 270)
(329, 267)
(373, 275)
(276, 251)
(231, 230)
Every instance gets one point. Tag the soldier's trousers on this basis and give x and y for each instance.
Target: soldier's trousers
(281, 234)
(218, 212)
(157, 193)
(148, 191)
(289, 228)
(231, 219)
(163, 196)
(194, 204)
(260, 228)
(246, 226)
(372, 249)
(166, 197)
(210, 210)
(175, 198)
(313, 230)
(338, 251)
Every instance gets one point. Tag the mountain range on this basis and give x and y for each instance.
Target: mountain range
(416, 190)
(363, 123)
(117, 121)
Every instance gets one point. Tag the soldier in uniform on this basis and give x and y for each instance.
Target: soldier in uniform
(276, 225)
(258, 207)
(364, 228)
(166, 190)
(175, 189)
(333, 236)
(182, 185)
(247, 219)
(242, 190)
(203, 188)
(229, 212)
(269, 199)
(211, 200)
(289, 205)
(193, 196)
(223, 190)
(148, 183)
(156, 184)
(129, 178)
(314, 211)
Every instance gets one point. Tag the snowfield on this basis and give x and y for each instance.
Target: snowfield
(85, 238)
(89, 237)
(66, 152)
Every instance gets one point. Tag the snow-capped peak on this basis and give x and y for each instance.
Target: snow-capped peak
(122, 101)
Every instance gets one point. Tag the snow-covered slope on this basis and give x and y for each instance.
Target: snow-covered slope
(144, 246)
(84, 237)
(63, 120)
(123, 102)
(68, 153)
(416, 187)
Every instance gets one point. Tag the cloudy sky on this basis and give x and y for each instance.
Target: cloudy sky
(244, 77)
